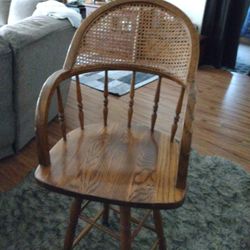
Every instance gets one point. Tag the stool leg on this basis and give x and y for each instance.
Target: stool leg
(105, 217)
(125, 233)
(159, 229)
(70, 233)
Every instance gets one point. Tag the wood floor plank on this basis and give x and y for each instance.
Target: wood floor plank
(221, 127)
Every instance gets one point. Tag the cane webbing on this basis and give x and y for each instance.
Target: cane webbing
(142, 34)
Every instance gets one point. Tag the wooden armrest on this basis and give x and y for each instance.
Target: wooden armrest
(41, 115)
(186, 140)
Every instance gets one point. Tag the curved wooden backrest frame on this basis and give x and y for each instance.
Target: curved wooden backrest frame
(53, 82)
(87, 25)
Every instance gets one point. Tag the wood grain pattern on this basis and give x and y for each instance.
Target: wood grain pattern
(156, 101)
(147, 32)
(222, 120)
(125, 230)
(113, 164)
(159, 229)
(79, 102)
(105, 218)
(135, 220)
(131, 101)
(177, 114)
(221, 126)
(140, 224)
(61, 112)
(125, 166)
(70, 233)
(105, 102)
(49, 88)
(87, 228)
(100, 227)
(186, 138)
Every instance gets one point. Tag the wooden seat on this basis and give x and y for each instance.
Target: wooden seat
(123, 166)
(128, 165)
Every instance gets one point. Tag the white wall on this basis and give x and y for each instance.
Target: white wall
(194, 9)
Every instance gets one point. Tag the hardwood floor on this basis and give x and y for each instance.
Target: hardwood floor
(221, 127)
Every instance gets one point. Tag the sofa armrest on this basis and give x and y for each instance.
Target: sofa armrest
(32, 29)
(7, 131)
(39, 46)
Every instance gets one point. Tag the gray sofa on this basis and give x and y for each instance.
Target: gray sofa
(30, 50)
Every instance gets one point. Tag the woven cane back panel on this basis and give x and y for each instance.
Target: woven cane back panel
(141, 34)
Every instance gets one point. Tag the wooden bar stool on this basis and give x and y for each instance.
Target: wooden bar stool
(125, 165)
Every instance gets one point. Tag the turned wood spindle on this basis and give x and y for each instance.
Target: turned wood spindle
(177, 114)
(131, 102)
(61, 112)
(79, 102)
(105, 102)
(156, 102)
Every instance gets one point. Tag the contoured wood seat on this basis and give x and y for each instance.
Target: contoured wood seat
(122, 166)
(129, 165)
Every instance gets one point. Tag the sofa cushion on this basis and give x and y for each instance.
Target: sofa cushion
(20, 9)
(39, 46)
(4, 11)
(7, 125)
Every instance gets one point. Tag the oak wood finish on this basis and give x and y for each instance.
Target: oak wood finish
(61, 112)
(131, 102)
(86, 229)
(221, 126)
(140, 225)
(123, 166)
(131, 166)
(74, 214)
(125, 230)
(100, 227)
(159, 229)
(134, 220)
(105, 218)
(177, 114)
(105, 102)
(74, 64)
(48, 89)
(156, 102)
(186, 138)
(170, 65)
(79, 102)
